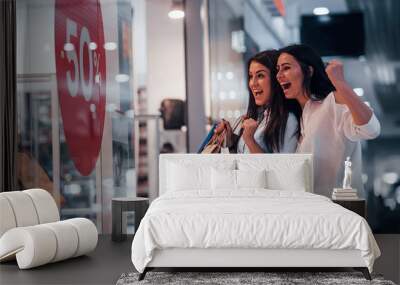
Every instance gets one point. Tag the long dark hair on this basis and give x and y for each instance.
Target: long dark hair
(274, 132)
(316, 83)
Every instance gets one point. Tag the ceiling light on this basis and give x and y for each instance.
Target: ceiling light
(176, 11)
(319, 11)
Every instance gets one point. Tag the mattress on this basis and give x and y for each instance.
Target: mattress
(251, 219)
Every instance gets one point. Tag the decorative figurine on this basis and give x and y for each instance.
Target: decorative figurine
(347, 174)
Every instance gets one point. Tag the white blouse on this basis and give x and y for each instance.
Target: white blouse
(329, 133)
(290, 140)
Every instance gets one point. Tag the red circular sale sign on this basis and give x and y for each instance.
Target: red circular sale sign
(81, 78)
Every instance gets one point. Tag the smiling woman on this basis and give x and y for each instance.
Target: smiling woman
(334, 119)
(260, 83)
(270, 124)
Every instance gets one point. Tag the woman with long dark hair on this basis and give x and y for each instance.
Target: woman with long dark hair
(333, 120)
(268, 125)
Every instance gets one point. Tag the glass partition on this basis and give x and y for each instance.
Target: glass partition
(75, 103)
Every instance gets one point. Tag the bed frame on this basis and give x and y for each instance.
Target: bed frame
(246, 259)
(250, 258)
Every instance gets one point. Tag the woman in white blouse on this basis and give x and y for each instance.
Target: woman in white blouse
(334, 119)
(269, 126)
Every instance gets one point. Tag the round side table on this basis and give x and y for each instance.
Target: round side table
(120, 205)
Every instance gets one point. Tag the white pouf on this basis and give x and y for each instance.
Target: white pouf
(7, 220)
(31, 232)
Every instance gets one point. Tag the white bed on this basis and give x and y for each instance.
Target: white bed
(202, 219)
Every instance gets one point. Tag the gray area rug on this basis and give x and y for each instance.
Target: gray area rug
(225, 278)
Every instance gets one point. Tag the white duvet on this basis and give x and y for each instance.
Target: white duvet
(253, 218)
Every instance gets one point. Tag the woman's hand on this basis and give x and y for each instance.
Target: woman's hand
(249, 128)
(335, 72)
(223, 125)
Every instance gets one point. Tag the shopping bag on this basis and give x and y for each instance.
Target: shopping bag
(207, 139)
(215, 143)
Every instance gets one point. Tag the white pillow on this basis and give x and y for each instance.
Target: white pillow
(223, 179)
(183, 178)
(251, 178)
(292, 179)
(227, 179)
(282, 174)
(186, 175)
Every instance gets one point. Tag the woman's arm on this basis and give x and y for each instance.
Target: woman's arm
(344, 94)
(362, 124)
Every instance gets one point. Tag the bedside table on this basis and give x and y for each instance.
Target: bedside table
(358, 206)
(120, 205)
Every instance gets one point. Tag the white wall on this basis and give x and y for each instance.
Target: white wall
(165, 55)
(165, 71)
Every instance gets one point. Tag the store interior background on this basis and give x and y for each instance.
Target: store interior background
(199, 62)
